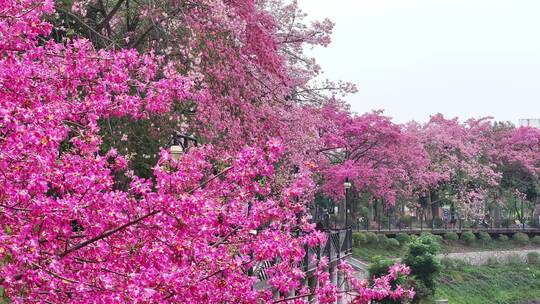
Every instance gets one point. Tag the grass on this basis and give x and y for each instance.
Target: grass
(502, 284)
(493, 245)
(366, 252)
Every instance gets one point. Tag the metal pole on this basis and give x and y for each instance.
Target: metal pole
(379, 216)
(346, 207)
(347, 186)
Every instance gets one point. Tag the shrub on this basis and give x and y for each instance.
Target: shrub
(382, 239)
(421, 290)
(468, 237)
(520, 238)
(403, 238)
(433, 236)
(536, 240)
(371, 238)
(514, 259)
(359, 238)
(492, 261)
(379, 266)
(447, 263)
(427, 233)
(533, 258)
(392, 243)
(484, 237)
(420, 257)
(452, 264)
(451, 236)
(503, 238)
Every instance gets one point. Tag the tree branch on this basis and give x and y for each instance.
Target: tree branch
(107, 233)
(109, 16)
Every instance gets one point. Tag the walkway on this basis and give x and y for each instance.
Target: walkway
(472, 258)
(481, 257)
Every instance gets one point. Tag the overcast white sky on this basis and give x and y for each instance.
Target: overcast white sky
(414, 58)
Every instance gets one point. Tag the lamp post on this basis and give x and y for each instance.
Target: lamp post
(180, 143)
(347, 186)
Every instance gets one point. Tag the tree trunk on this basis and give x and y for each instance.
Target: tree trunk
(427, 210)
(371, 212)
(435, 205)
(495, 214)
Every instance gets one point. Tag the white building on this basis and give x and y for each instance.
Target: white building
(530, 122)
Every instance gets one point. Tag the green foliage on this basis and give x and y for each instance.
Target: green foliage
(146, 138)
(368, 251)
(392, 243)
(468, 237)
(426, 233)
(403, 238)
(453, 264)
(492, 261)
(451, 236)
(359, 238)
(484, 237)
(503, 238)
(382, 239)
(422, 292)
(514, 259)
(363, 212)
(536, 240)
(533, 258)
(425, 266)
(379, 266)
(497, 284)
(520, 238)
(371, 238)
(437, 238)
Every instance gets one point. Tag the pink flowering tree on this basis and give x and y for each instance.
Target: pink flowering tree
(460, 171)
(247, 56)
(80, 226)
(376, 155)
(516, 155)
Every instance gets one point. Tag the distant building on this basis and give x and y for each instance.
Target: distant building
(530, 122)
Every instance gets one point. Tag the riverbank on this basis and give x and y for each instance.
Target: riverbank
(494, 284)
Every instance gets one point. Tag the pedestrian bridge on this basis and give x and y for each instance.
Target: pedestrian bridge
(338, 247)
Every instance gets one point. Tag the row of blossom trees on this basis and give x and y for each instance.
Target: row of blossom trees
(477, 166)
(95, 209)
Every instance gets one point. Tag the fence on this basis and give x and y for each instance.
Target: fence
(338, 246)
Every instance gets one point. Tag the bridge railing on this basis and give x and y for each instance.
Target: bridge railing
(338, 246)
(458, 227)
(395, 220)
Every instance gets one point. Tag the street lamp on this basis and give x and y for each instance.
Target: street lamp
(180, 143)
(347, 186)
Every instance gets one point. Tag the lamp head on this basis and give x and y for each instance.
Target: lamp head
(176, 151)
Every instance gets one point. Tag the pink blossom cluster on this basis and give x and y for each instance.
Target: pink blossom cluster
(192, 233)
